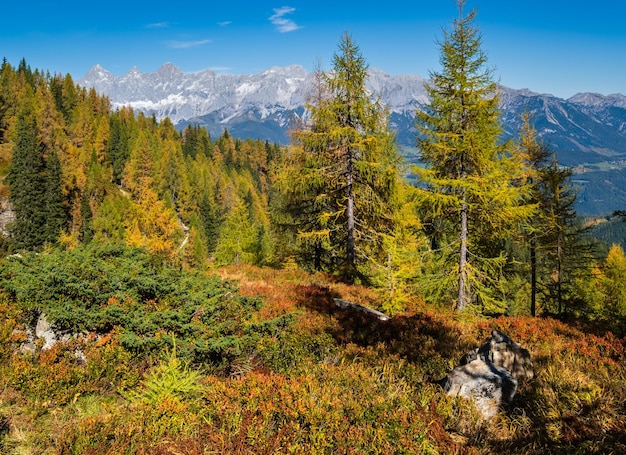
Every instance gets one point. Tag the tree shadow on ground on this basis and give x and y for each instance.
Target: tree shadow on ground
(421, 338)
(434, 343)
(560, 429)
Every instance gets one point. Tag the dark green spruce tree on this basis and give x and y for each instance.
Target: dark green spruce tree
(28, 183)
(566, 250)
(525, 249)
(119, 143)
(55, 213)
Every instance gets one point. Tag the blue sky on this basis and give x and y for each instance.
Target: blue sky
(549, 46)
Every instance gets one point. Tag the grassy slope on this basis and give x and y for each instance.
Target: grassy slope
(333, 382)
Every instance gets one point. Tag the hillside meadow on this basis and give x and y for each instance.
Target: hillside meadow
(279, 368)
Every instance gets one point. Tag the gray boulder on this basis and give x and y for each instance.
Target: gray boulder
(488, 385)
(489, 374)
(44, 330)
(500, 350)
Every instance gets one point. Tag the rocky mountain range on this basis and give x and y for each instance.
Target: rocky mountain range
(586, 131)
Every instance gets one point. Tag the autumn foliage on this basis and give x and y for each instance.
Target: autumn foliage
(196, 315)
(306, 377)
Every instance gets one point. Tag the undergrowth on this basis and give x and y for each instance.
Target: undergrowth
(289, 371)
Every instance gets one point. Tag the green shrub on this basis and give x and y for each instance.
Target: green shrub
(104, 288)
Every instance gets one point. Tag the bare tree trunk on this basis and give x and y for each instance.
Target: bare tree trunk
(533, 278)
(350, 254)
(463, 299)
(559, 277)
(317, 252)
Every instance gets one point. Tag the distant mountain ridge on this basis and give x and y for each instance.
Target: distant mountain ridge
(226, 100)
(586, 129)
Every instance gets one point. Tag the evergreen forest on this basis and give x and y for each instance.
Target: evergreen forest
(190, 282)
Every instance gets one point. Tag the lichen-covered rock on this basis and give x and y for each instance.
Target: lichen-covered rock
(500, 350)
(488, 385)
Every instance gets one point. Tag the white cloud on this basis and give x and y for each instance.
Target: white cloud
(158, 25)
(282, 24)
(224, 23)
(187, 44)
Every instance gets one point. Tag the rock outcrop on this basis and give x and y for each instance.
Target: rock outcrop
(43, 336)
(43, 330)
(488, 385)
(355, 306)
(489, 375)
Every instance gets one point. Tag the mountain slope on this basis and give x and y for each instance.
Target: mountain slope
(586, 128)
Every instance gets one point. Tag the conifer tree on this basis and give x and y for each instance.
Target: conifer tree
(86, 232)
(24, 70)
(237, 237)
(299, 207)
(208, 221)
(27, 182)
(535, 156)
(55, 212)
(299, 202)
(350, 168)
(120, 141)
(56, 89)
(404, 248)
(139, 171)
(110, 221)
(69, 97)
(559, 253)
(560, 237)
(194, 253)
(612, 283)
(173, 180)
(471, 181)
(34, 180)
(196, 140)
(153, 224)
(97, 187)
(7, 90)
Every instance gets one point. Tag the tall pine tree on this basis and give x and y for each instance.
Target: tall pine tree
(299, 202)
(56, 215)
(472, 191)
(560, 237)
(26, 179)
(349, 173)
